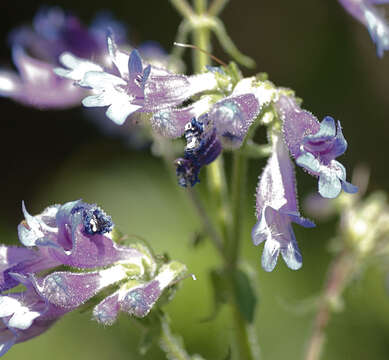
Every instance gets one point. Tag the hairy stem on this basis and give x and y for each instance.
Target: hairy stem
(171, 344)
(338, 275)
(195, 201)
(207, 222)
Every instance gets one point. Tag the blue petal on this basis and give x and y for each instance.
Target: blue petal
(270, 254)
(309, 162)
(146, 74)
(298, 219)
(348, 187)
(135, 63)
(291, 253)
(340, 143)
(329, 185)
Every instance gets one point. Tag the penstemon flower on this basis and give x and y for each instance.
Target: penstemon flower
(225, 125)
(79, 236)
(132, 86)
(276, 209)
(315, 146)
(366, 13)
(53, 33)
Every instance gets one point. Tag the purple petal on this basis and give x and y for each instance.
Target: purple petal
(165, 91)
(39, 86)
(107, 310)
(171, 123)
(90, 251)
(68, 290)
(327, 130)
(297, 123)
(233, 116)
(135, 63)
(277, 186)
(139, 301)
(372, 18)
(276, 209)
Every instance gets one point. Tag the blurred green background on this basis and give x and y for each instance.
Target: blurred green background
(312, 46)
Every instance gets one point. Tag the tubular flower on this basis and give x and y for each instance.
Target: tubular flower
(225, 124)
(35, 53)
(79, 236)
(315, 146)
(133, 86)
(366, 13)
(276, 209)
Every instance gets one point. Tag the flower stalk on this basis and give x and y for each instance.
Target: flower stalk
(338, 275)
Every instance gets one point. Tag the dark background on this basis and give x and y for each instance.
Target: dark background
(312, 46)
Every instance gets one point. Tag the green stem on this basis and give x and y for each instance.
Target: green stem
(170, 344)
(207, 222)
(248, 349)
(239, 173)
(217, 7)
(338, 275)
(195, 201)
(201, 37)
(217, 186)
(183, 8)
(229, 46)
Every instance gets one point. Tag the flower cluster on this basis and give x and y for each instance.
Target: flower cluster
(214, 111)
(374, 19)
(78, 237)
(219, 117)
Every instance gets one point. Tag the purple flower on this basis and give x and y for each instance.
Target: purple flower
(225, 124)
(137, 298)
(315, 146)
(202, 147)
(366, 13)
(53, 33)
(232, 116)
(133, 86)
(79, 236)
(25, 315)
(276, 209)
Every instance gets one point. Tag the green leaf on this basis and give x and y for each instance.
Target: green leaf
(220, 291)
(245, 296)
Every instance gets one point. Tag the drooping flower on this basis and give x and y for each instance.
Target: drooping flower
(315, 146)
(276, 209)
(373, 18)
(35, 52)
(79, 236)
(134, 86)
